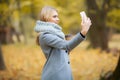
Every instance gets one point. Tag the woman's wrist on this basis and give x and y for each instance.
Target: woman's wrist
(82, 35)
(83, 32)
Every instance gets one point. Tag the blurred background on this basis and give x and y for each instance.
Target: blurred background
(96, 58)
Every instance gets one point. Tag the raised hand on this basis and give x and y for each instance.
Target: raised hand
(86, 23)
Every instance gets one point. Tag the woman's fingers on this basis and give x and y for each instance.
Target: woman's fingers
(88, 21)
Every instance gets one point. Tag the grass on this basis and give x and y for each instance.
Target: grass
(25, 62)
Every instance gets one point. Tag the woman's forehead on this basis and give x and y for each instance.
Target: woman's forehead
(54, 12)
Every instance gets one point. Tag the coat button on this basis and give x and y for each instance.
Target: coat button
(66, 51)
(68, 62)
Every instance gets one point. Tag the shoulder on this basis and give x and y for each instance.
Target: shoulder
(47, 36)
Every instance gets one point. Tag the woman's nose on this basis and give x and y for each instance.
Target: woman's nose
(58, 19)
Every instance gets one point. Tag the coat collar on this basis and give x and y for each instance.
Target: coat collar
(48, 27)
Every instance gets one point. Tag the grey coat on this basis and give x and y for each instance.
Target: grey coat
(56, 49)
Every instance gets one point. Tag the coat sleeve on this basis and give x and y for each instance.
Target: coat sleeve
(56, 42)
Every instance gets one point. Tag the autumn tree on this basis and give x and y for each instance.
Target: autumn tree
(2, 64)
(98, 12)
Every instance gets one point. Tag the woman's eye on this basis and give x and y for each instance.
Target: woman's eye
(55, 16)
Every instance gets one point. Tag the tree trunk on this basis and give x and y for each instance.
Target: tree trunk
(2, 36)
(32, 8)
(99, 32)
(2, 65)
(116, 73)
(21, 23)
(5, 35)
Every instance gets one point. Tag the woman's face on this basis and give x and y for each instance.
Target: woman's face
(54, 17)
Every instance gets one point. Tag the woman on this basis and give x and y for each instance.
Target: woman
(55, 47)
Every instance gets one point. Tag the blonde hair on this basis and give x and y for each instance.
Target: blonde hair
(46, 13)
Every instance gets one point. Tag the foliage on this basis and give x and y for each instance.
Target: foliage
(113, 19)
(14, 13)
(25, 62)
